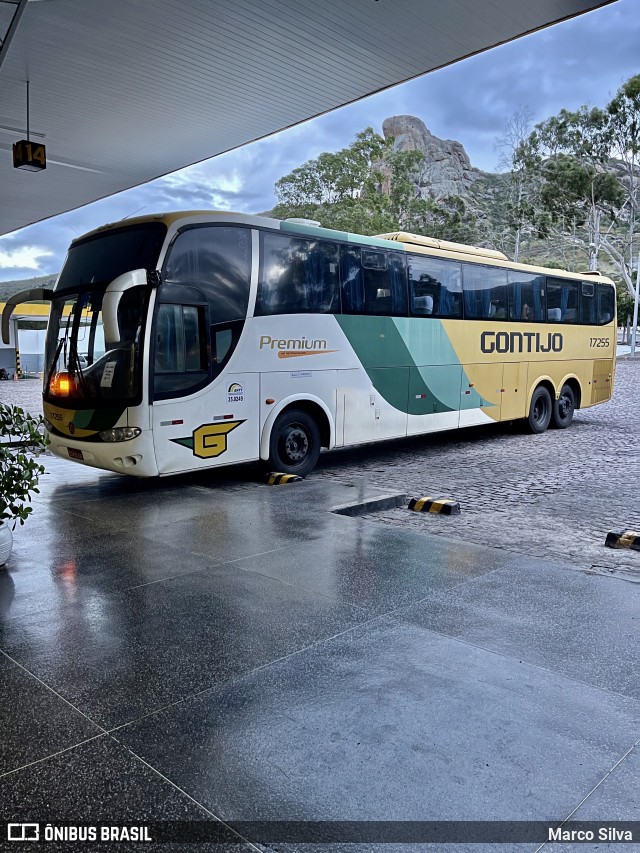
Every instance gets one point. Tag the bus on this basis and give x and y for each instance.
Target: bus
(185, 341)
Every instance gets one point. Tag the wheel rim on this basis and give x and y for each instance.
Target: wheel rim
(295, 444)
(540, 410)
(565, 406)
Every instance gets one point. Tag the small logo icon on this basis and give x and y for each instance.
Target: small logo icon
(23, 832)
(235, 393)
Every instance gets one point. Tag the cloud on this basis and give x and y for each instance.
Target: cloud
(23, 257)
(583, 60)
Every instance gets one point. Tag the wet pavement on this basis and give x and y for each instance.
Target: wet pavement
(209, 647)
(204, 648)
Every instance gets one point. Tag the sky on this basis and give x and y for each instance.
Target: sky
(581, 61)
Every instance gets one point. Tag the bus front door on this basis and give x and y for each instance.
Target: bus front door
(216, 426)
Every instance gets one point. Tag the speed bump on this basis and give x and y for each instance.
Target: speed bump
(275, 479)
(624, 539)
(444, 506)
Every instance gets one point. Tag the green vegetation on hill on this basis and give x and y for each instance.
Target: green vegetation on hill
(569, 195)
(10, 288)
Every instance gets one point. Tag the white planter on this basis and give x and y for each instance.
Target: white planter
(6, 542)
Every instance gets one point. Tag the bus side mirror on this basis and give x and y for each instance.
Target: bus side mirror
(36, 293)
(154, 278)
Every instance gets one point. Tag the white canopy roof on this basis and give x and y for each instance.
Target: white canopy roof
(128, 90)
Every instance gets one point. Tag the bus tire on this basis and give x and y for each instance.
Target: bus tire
(294, 445)
(540, 410)
(564, 407)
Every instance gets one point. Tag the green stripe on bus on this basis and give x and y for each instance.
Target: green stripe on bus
(330, 234)
(392, 369)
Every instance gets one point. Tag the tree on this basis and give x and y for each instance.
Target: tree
(571, 153)
(624, 120)
(339, 188)
(370, 188)
(588, 165)
(522, 181)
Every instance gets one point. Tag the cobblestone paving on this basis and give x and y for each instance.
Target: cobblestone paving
(26, 393)
(555, 495)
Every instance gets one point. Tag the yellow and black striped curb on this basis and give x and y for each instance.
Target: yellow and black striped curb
(444, 506)
(18, 368)
(275, 479)
(624, 539)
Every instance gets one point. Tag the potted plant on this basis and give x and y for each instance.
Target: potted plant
(22, 438)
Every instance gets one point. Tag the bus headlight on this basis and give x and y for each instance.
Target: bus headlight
(120, 433)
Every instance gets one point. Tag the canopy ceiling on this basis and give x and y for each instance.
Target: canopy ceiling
(128, 90)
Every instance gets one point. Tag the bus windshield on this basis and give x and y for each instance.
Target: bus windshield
(94, 347)
(104, 256)
(94, 337)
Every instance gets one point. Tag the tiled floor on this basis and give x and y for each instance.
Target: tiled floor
(210, 648)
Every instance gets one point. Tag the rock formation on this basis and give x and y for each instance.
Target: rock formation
(446, 168)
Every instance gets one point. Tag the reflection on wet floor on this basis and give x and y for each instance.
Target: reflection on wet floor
(276, 660)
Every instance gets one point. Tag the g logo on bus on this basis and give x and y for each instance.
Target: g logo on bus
(209, 440)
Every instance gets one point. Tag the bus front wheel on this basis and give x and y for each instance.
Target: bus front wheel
(564, 407)
(294, 446)
(540, 410)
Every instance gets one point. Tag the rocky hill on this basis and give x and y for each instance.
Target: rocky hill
(9, 288)
(446, 169)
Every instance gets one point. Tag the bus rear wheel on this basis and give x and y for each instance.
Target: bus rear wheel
(540, 410)
(294, 446)
(564, 407)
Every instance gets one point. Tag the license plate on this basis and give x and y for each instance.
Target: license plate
(75, 454)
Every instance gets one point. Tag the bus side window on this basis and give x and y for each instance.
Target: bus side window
(297, 276)
(562, 301)
(221, 344)
(606, 304)
(588, 313)
(435, 287)
(373, 281)
(217, 260)
(224, 338)
(526, 297)
(485, 292)
(180, 360)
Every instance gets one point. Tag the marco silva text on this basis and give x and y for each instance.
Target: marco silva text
(600, 833)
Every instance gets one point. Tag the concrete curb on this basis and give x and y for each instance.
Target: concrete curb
(371, 505)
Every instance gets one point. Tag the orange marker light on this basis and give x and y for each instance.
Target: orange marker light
(269, 401)
(61, 384)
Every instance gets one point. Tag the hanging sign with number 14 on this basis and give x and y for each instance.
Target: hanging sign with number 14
(29, 155)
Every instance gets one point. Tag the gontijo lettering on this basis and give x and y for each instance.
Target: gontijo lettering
(520, 342)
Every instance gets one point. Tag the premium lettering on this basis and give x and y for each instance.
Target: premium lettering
(517, 342)
(266, 341)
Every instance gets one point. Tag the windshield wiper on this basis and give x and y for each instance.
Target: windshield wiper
(76, 367)
(54, 361)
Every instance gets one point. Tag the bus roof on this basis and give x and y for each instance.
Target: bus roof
(447, 245)
(402, 240)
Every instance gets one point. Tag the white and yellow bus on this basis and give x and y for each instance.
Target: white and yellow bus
(185, 341)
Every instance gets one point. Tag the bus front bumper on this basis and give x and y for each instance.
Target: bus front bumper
(135, 457)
